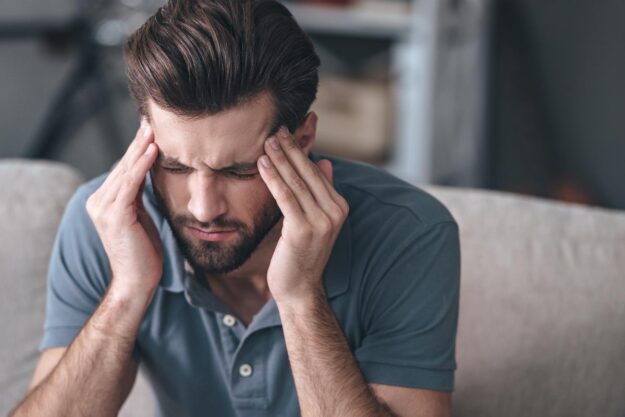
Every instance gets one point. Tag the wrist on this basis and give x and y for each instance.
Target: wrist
(303, 304)
(120, 293)
(120, 313)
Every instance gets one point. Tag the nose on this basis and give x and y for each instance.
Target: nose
(207, 201)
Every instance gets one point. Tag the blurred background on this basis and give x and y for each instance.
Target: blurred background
(517, 95)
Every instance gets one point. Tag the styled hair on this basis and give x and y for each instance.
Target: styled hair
(200, 57)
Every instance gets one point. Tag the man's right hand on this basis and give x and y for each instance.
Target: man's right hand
(128, 234)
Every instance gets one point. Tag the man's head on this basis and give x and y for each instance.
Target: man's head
(202, 57)
(215, 78)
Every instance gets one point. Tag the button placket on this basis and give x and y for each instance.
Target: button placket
(245, 370)
(229, 320)
(248, 372)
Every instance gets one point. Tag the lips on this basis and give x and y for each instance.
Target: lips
(211, 235)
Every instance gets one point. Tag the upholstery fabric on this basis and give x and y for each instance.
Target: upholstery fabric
(33, 195)
(542, 307)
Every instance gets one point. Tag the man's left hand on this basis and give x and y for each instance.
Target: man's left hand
(313, 216)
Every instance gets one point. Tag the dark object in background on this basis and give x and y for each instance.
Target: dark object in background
(85, 91)
(524, 157)
(557, 97)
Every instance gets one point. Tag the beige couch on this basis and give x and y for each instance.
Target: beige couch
(542, 320)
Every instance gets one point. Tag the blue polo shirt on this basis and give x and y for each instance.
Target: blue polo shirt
(392, 281)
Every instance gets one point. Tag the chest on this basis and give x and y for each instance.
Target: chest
(198, 360)
(205, 361)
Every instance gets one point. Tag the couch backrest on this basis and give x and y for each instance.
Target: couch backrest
(33, 195)
(542, 310)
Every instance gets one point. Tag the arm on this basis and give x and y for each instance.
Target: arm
(326, 374)
(94, 375)
(327, 377)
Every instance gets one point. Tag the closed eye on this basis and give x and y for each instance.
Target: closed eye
(240, 175)
(176, 170)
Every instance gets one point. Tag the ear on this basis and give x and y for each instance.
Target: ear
(306, 133)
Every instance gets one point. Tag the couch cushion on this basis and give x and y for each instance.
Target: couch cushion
(34, 194)
(542, 307)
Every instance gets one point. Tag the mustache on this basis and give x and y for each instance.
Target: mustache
(218, 223)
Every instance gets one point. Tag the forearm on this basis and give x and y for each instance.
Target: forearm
(327, 378)
(92, 378)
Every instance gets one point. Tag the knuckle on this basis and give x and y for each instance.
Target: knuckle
(272, 175)
(89, 204)
(315, 169)
(92, 206)
(298, 184)
(129, 181)
(288, 144)
(285, 194)
(304, 232)
(278, 156)
(315, 172)
(336, 213)
(343, 206)
(324, 225)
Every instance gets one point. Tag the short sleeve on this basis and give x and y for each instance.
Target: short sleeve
(78, 273)
(410, 312)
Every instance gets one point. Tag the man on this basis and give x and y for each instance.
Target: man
(248, 276)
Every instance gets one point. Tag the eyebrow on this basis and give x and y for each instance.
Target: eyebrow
(235, 166)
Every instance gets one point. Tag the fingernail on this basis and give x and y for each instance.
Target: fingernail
(150, 149)
(264, 161)
(283, 131)
(274, 143)
(147, 130)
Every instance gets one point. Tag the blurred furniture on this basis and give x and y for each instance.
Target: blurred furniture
(542, 307)
(431, 57)
(542, 302)
(85, 92)
(32, 198)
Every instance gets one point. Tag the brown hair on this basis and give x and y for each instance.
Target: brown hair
(200, 57)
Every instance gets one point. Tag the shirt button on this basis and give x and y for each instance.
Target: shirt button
(245, 370)
(229, 320)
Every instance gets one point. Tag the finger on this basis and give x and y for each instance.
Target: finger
(285, 198)
(138, 146)
(326, 168)
(146, 221)
(130, 184)
(322, 189)
(291, 178)
(326, 175)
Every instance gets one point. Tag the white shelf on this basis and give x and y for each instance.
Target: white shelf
(355, 21)
(436, 88)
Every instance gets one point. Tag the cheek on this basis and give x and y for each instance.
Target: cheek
(173, 189)
(249, 194)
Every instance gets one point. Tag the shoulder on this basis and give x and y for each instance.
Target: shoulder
(375, 195)
(394, 227)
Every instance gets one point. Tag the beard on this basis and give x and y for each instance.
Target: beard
(220, 257)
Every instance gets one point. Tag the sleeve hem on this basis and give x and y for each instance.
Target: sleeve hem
(58, 337)
(407, 376)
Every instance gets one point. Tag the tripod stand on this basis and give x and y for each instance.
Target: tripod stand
(85, 92)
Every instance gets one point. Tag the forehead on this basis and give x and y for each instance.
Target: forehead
(234, 135)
